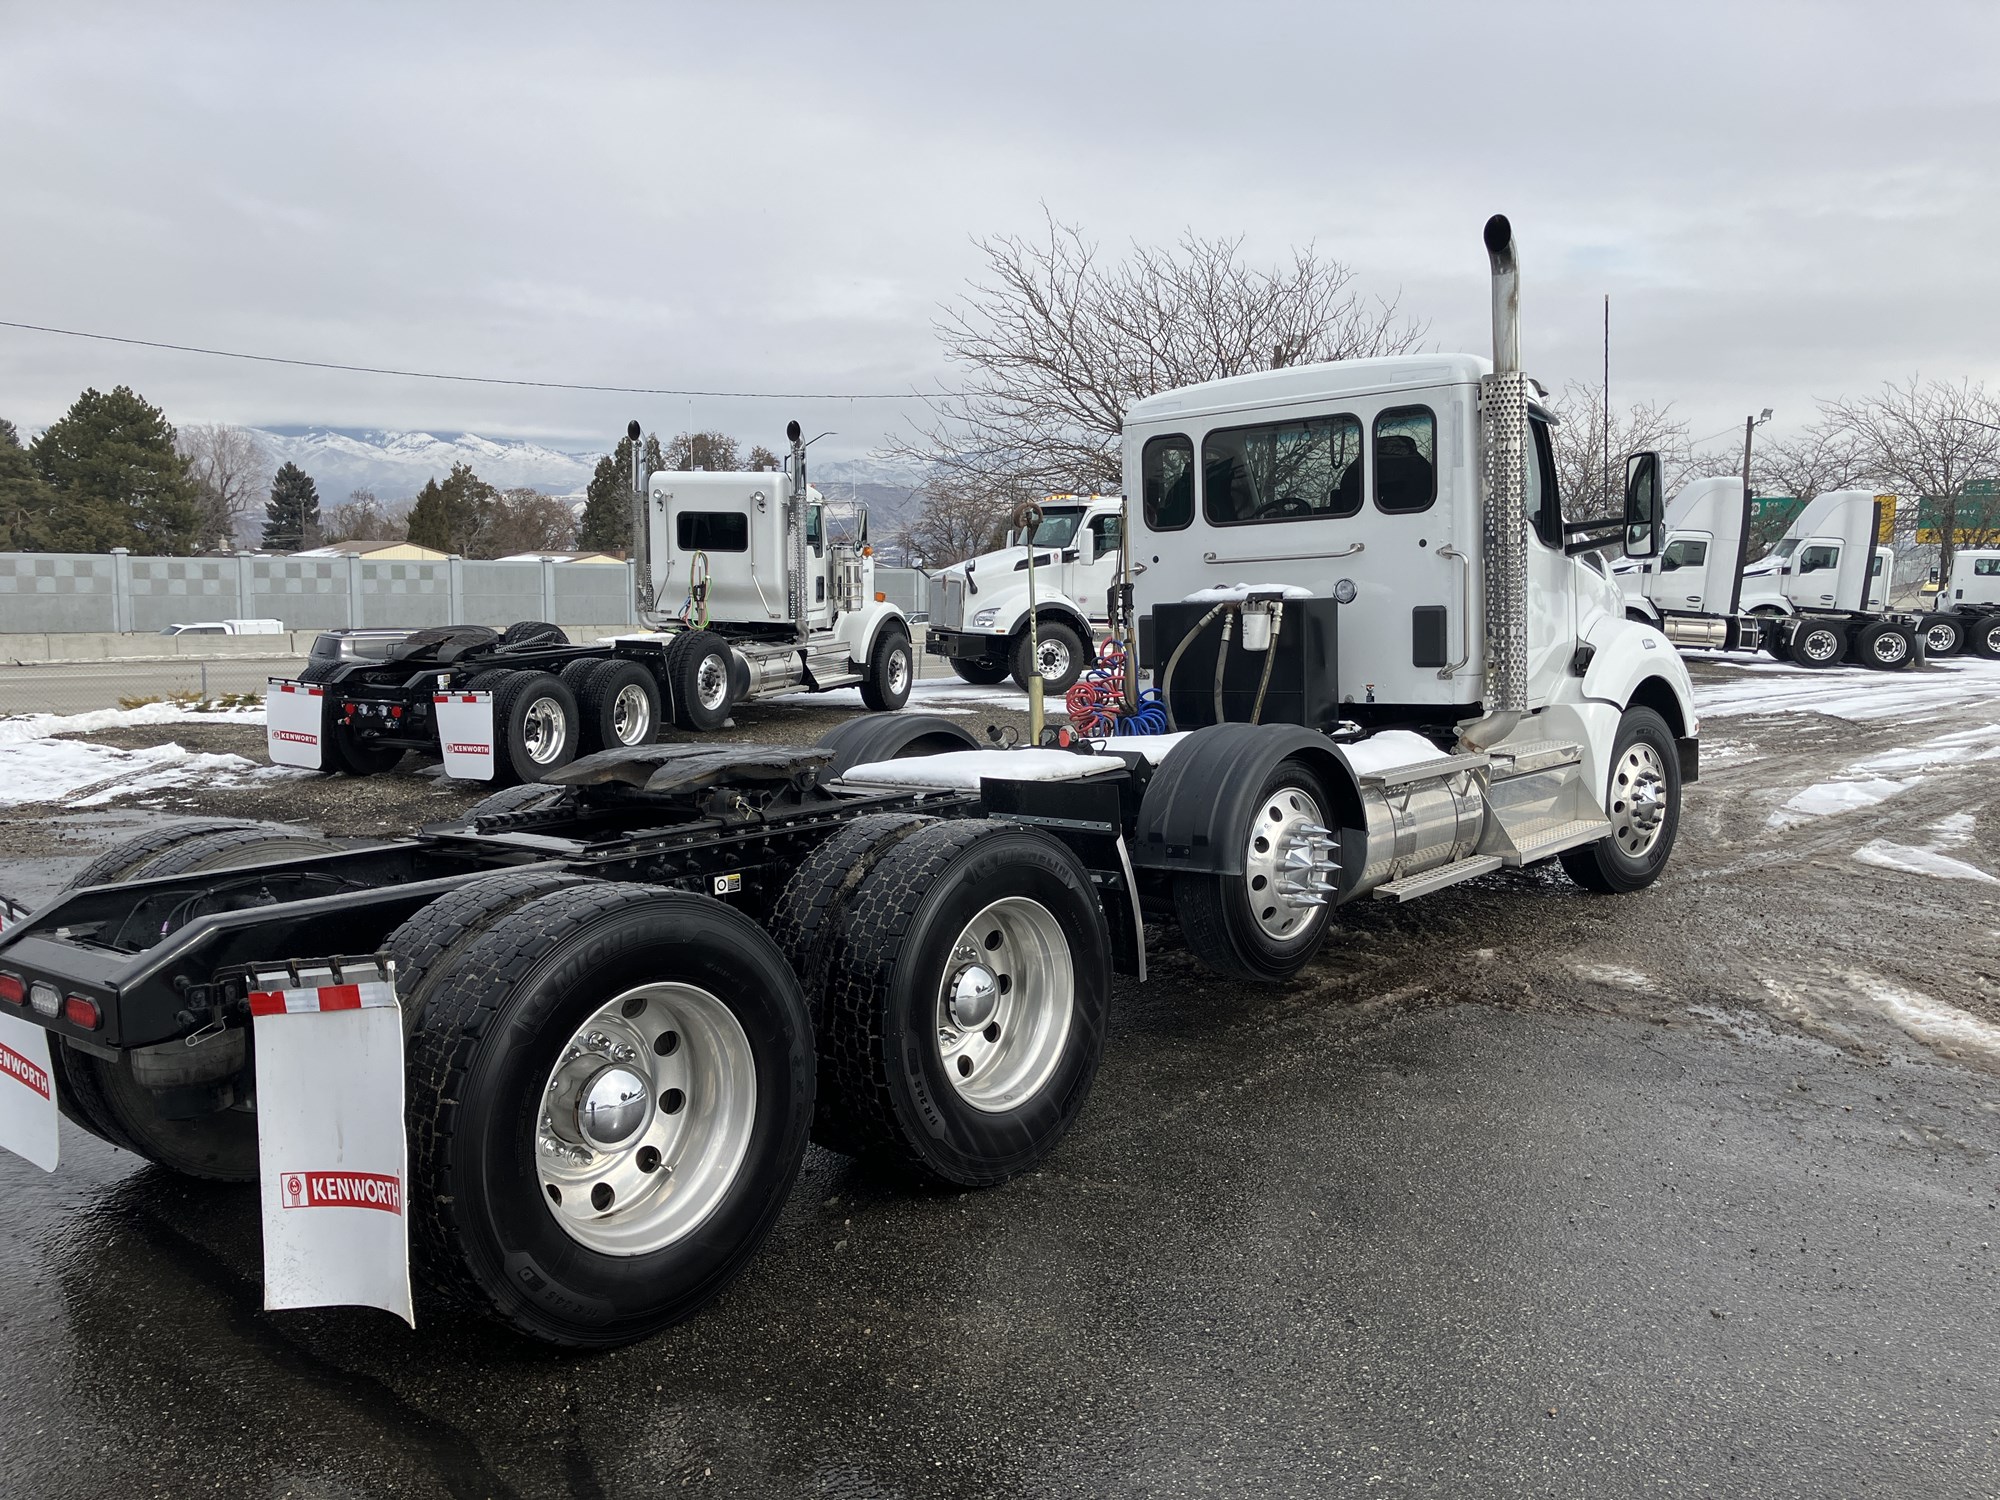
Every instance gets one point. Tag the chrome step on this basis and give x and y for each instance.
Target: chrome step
(1532, 756)
(1542, 837)
(1436, 880)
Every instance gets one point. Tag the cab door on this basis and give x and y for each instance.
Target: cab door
(1679, 581)
(1551, 571)
(819, 569)
(1101, 539)
(1814, 580)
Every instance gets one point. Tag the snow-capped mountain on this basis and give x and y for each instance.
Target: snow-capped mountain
(395, 465)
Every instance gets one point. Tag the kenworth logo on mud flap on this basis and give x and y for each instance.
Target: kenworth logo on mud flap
(342, 1190)
(21, 1070)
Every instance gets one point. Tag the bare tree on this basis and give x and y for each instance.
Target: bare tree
(1580, 449)
(524, 520)
(1926, 437)
(363, 518)
(233, 473)
(1055, 344)
(712, 451)
(950, 525)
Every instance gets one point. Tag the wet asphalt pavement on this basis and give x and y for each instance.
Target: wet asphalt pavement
(1517, 1191)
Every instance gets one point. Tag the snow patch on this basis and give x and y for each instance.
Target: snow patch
(1388, 750)
(81, 774)
(1616, 975)
(1913, 861)
(1860, 695)
(1830, 797)
(1954, 829)
(19, 728)
(1931, 1022)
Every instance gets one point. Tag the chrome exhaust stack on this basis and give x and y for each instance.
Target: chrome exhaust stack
(1503, 400)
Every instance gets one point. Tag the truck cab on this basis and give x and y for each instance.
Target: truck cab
(1975, 578)
(980, 623)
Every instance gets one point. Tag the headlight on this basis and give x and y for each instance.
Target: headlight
(985, 618)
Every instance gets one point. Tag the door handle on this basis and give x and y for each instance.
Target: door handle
(1446, 672)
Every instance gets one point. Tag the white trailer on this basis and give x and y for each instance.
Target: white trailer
(980, 622)
(743, 589)
(612, 1010)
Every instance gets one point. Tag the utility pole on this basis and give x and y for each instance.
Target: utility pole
(1605, 508)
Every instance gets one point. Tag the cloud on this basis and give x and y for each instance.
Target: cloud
(1783, 200)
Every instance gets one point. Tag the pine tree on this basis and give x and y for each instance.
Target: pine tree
(453, 516)
(291, 517)
(606, 522)
(26, 504)
(117, 480)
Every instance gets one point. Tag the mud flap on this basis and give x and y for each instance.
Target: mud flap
(294, 720)
(465, 734)
(331, 1152)
(27, 1093)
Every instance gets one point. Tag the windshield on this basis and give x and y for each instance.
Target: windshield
(1786, 548)
(1058, 528)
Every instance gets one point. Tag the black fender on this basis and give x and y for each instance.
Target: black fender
(1068, 614)
(1204, 792)
(860, 742)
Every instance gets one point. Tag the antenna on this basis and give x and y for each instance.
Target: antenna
(1607, 400)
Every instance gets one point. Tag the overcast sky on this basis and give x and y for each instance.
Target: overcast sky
(1783, 201)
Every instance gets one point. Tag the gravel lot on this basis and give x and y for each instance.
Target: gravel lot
(1517, 1189)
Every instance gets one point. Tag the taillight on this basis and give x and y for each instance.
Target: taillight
(81, 1010)
(13, 989)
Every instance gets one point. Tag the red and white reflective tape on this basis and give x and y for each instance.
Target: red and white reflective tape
(307, 688)
(459, 697)
(366, 995)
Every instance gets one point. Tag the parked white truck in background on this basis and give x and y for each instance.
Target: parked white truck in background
(1831, 587)
(1968, 606)
(743, 590)
(979, 622)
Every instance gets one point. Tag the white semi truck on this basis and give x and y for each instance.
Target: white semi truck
(627, 998)
(1831, 586)
(1967, 617)
(980, 622)
(744, 594)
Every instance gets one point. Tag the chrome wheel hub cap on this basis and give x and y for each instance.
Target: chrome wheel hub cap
(631, 715)
(1638, 799)
(645, 1119)
(545, 730)
(1051, 659)
(1005, 1004)
(1289, 866)
(899, 671)
(712, 682)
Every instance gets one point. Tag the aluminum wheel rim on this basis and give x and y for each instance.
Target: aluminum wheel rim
(545, 730)
(1828, 643)
(1939, 639)
(1282, 838)
(1638, 799)
(625, 1187)
(1051, 658)
(1005, 1004)
(899, 671)
(711, 682)
(1993, 639)
(1890, 648)
(631, 715)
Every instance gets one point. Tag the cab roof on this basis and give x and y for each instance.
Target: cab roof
(1295, 383)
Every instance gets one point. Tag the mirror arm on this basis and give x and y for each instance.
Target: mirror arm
(1592, 544)
(1595, 523)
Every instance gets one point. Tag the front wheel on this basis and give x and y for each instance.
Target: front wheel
(1984, 638)
(1943, 635)
(1265, 924)
(891, 672)
(1643, 801)
(1058, 657)
(610, 1093)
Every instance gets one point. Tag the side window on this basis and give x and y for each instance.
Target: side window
(1108, 533)
(1816, 559)
(1987, 567)
(816, 528)
(1405, 459)
(1282, 471)
(1684, 552)
(712, 531)
(1166, 474)
(1544, 500)
(1876, 571)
